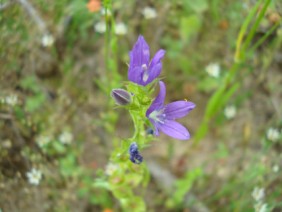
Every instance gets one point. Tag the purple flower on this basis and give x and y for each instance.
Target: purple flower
(141, 70)
(134, 155)
(163, 116)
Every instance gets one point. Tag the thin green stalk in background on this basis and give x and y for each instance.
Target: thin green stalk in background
(221, 96)
(267, 34)
(243, 31)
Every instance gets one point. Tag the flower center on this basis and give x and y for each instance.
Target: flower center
(145, 73)
(158, 116)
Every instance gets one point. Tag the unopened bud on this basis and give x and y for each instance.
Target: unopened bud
(121, 96)
(150, 131)
(134, 154)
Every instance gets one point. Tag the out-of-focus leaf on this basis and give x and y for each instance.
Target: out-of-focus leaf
(201, 132)
(189, 27)
(35, 102)
(208, 84)
(197, 6)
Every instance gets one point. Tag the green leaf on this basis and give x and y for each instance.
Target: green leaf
(58, 147)
(30, 83)
(197, 6)
(201, 132)
(189, 27)
(68, 166)
(35, 102)
(100, 183)
(208, 84)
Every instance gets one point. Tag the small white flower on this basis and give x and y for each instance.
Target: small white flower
(11, 100)
(47, 40)
(272, 134)
(34, 176)
(100, 27)
(275, 168)
(66, 138)
(149, 13)
(260, 207)
(258, 194)
(213, 69)
(43, 140)
(120, 28)
(110, 169)
(230, 112)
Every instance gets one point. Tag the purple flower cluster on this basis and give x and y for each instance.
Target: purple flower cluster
(142, 72)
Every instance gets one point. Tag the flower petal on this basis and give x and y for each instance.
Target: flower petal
(154, 73)
(156, 131)
(157, 58)
(178, 109)
(159, 100)
(175, 130)
(135, 75)
(140, 53)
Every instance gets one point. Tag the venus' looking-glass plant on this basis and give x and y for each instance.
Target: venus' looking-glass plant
(146, 112)
(143, 72)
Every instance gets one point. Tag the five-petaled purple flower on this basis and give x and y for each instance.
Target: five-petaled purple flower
(163, 116)
(141, 70)
(134, 154)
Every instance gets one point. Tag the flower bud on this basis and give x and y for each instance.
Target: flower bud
(149, 131)
(134, 154)
(121, 96)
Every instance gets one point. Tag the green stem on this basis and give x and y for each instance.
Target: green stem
(255, 26)
(243, 31)
(260, 41)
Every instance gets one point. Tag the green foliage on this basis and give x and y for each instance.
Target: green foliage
(227, 89)
(38, 98)
(189, 26)
(183, 186)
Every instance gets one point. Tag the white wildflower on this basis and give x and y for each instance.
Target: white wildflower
(11, 100)
(260, 207)
(110, 169)
(230, 112)
(149, 13)
(213, 69)
(47, 40)
(43, 140)
(66, 137)
(100, 27)
(275, 168)
(120, 28)
(272, 134)
(34, 176)
(258, 194)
